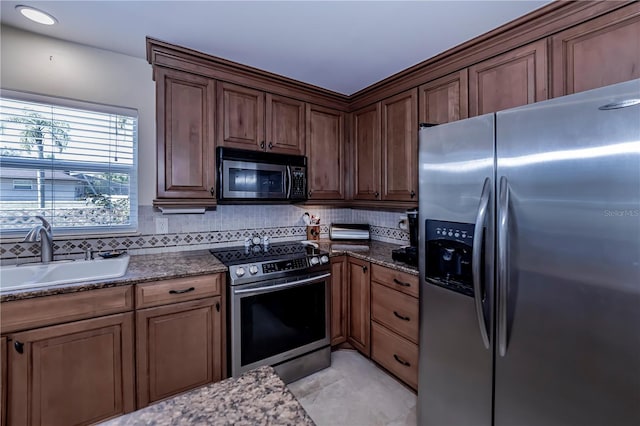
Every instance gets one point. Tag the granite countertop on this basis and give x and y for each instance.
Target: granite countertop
(161, 266)
(258, 397)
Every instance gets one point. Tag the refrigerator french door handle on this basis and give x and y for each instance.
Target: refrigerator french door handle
(476, 260)
(503, 264)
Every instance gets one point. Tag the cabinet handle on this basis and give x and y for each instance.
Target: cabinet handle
(310, 193)
(401, 317)
(19, 346)
(403, 284)
(401, 361)
(377, 194)
(262, 145)
(364, 269)
(270, 145)
(413, 194)
(186, 290)
(212, 191)
(218, 306)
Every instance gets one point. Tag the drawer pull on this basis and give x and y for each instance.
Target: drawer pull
(401, 361)
(401, 317)
(403, 284)
(186, 290)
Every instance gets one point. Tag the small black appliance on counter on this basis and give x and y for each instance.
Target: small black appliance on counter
(409, 254)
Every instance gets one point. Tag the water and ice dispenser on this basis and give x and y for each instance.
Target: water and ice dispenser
(448, 255)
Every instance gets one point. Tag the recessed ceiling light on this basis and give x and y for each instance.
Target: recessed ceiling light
(36, 15)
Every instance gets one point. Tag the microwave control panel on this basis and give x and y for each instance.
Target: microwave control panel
(298, 182)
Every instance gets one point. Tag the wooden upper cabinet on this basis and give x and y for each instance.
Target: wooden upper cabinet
(600, 52)
(72, 374)
(366, 136)
(517, 77)
(185, 128)
(445, 99)
(285, 118)
(325, 153)
(400, 147)
(259, 121)
(240, 117)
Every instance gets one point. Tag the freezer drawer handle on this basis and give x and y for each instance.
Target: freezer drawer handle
(401, 361)
(403, 318)
(476, 267)
(503, 264)
(403, 284)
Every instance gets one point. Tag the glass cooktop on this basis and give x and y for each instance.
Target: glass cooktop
(260, 253)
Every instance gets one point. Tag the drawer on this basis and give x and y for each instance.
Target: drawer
(397, 280)
(397, 311)
(57, 309)
(396, 354)
(178, 290)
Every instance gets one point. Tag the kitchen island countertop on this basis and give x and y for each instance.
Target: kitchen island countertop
(258, 397)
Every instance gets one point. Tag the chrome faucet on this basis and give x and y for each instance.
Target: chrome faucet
(43, 234)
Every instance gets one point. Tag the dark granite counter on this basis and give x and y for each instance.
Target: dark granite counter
(258, 397)
(156, 267)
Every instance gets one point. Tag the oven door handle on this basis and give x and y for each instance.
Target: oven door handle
(281, 286)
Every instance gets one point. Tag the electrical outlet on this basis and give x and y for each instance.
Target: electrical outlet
(162, 225)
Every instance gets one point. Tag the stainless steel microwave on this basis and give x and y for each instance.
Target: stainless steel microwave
(254, 176)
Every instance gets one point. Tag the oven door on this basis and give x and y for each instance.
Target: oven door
(252, 180)
(275, 321)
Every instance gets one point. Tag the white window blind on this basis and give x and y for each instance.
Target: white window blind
(80, 158)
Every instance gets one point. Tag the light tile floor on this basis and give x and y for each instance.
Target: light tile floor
(354, 392)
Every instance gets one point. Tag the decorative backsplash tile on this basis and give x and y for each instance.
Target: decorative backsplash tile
(227, 225)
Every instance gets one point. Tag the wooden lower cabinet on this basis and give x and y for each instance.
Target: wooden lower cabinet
(72, 374)
(178, 347)
(3, 381)
(396, 354)
(338, 300)
(358, 294)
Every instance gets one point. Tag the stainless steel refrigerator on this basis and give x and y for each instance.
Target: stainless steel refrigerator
(530, 264)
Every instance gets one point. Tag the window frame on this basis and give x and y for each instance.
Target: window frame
(132, 170)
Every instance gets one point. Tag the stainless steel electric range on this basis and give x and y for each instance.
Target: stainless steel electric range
(278, 311)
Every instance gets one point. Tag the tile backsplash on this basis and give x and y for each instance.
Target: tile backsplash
(227, 225)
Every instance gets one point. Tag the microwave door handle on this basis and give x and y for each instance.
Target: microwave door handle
(288, 182)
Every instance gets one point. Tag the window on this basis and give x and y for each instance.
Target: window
(73, 163)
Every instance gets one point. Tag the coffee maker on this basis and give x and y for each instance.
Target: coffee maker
(409, 254)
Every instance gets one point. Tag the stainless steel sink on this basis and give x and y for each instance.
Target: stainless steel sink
(38, 275)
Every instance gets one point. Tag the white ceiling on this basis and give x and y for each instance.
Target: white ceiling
(342, 46)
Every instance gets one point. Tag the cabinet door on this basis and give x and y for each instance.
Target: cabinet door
(366, 136)
(185, 127)
(338, 300)
(285, 125)
(72, 374)
(600, 52)
(178, 347)
(515, 78)
(325, 153)
(240, 117)
(400, 147)
(3, 381)
(359, 305)
(445, 99)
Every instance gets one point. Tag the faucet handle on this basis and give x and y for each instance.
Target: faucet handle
(46, 224)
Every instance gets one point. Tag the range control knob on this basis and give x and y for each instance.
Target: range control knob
(239, 271)
(253, 269)
(314, 261)
(324, 259)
